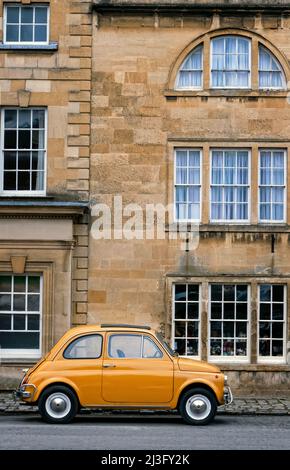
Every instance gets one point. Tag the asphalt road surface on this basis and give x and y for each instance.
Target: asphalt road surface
(145, 432)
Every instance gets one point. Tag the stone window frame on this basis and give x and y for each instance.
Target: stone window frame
(253, 363)
(205, 40)
(46, 271)
(206, 145)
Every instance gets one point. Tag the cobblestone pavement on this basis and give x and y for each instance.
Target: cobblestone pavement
(241, 405)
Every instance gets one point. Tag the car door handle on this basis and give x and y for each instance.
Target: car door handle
(106, 366)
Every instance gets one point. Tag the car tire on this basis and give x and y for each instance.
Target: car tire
(58, 405)
(198, 406)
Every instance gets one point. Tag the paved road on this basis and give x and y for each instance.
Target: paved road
(145, 432)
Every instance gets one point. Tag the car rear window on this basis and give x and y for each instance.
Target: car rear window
(84, 347)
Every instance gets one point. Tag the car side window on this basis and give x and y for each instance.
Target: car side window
(129, 346)
(84, 347)
(150, 350)
(132, 347)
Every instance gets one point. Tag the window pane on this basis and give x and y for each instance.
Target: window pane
(180, 292)
(12, 14)
(38, 119)
(5, 284)
(216, 292)
(9, 183)
(40, 14)
(229, 292)
(228, 347)
(19, 283)
(24, 160)
(277, 330)
(19, 340)
(9, 160)
(278, 311)
(216, 310)
(241, 329)
(86, 347)
(241, 348)
(10, 140)
(216, 329)
(277, 348)
(264, 348)
(228, 329)
(192, 329)
(12, 33)
(5, 322)
(40, 33)
(265, 311)
(23, 181)
(242, 293)
(192, 347)
(26, 33)
(18, 322)
(179, 346)
(193, 292)
(24, 139)
(180, 310)
(26, 14)
(33, 322)
(229, 311)
(5, 302)
(265, 293)
(19, 302)
(24, 119)
(33, 303)
(125, 346)
(33, 284)
(241, 311)
(215, 348)
(180, 329)
(193, 310)
(278, 293)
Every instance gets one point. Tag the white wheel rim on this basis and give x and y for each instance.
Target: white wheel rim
(58, 405)
(198, 407)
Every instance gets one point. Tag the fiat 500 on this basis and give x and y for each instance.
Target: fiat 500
(121, 367)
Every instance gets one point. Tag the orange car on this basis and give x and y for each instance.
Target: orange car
(121, 366)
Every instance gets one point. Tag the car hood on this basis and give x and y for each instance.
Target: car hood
(187, 364)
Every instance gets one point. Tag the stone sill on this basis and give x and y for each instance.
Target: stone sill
(51, 47)
(253, 367)
(188, 5)
(234, 228)
(250, 95)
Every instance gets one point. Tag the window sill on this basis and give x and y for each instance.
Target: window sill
(51, 47)
(254, 367)
(228, 227)
(224, 92)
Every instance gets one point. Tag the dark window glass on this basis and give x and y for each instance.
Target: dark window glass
(216, 310)
(229, 293)
(229, 311)
(193, 292)
(242, 293)
(10, 118)
(34, 284)
(192, 347)
(277, 348)
(33, 322)
(278, 311)
(12, 33)
(23, 180)
(241, 311)
(9, 183)
(192, 329)
(215, 348)
(9, 160)
(12, 14)
(5, 322)
(216, 329)
(180, 328)
(24, 117)
(192, 311)
(33, 303)
(277, 330)
(180, 292)
(19, 283)
(26, 33)
(5, 302)
(40, 33)
(216, 292)
(278, 293)
(19, 302)
(17, 340)
(40, 15)
(18, 322)
(228, 329)
(179, 346)
(180, 310)
(5, 283)
(10, 140)
(265, 293)
(26, 15)
(265, 311)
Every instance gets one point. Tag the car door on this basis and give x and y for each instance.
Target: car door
(136, 370)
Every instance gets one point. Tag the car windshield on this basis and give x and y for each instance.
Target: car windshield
(165, 344)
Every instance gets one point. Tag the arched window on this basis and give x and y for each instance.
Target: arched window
(230, 62)
(190, 73)
(271, 75)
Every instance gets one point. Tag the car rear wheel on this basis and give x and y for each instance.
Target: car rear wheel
(58, 404)
(198, 406)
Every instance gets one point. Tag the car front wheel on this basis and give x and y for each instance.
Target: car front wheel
(198, 406)
(58, 404)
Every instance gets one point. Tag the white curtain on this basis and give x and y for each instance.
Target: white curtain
(190, 73)
(187, 184)
(230, 62)
(272, 181)
(229, 190)
(270, 71)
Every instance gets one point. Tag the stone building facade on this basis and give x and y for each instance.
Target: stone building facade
(132, 103)
(45, 84)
